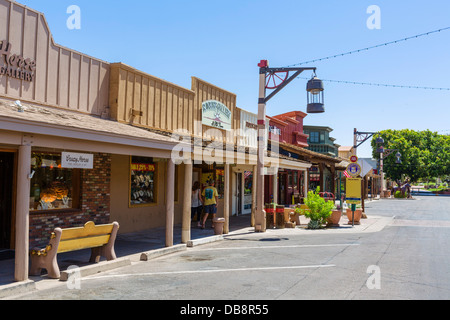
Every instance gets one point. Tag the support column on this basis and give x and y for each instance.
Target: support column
(306, 183)
(170, 183)
(275, 187)
(322, 177)
(186, 223)
(260, 212)
(254, 182)
(226, 200)
(22, 213)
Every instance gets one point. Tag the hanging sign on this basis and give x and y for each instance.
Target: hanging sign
(215, 114)
(72, 160)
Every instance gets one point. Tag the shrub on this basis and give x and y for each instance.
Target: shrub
(318, 209)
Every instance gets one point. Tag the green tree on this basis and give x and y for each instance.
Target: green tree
(425, 154)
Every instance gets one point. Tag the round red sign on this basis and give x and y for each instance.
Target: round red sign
(354, 159)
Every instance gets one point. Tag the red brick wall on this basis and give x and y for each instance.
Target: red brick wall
(94, 204)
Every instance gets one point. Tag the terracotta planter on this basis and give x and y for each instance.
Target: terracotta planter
(358, 215)
(333, 220)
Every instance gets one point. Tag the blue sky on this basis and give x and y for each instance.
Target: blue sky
(222, 42)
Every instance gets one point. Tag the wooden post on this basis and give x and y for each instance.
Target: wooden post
(260, 216)
(306, 185)
(186, 223)
(22, 213)
(170, 183)
(226, 200)
(254, 182)
(275, 187)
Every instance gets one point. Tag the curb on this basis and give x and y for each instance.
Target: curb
(145, 256)
(197, 242)
(95, 268)
(16, 288)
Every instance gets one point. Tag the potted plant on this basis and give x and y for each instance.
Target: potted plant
(358, 215)
(333, 220)
(318, 210)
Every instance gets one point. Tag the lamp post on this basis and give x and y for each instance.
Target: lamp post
(360, 137)
(276, 79)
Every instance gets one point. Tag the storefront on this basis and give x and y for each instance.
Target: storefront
(60, 159)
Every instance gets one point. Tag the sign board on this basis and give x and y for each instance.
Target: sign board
(353, 187)
(72, 160)
(215, 114)
(147, 167)
(354, 159)
(365, 167)
(16, 66)
(354, 169)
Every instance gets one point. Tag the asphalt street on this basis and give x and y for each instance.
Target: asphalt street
(407, 259)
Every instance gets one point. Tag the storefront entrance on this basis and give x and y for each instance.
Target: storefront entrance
(6, 198)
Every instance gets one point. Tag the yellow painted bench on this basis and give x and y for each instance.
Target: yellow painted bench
(100, 239)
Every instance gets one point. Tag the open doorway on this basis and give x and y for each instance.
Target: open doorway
(7, 169)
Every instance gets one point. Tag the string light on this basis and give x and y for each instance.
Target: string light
(382, 84)
(369, 48)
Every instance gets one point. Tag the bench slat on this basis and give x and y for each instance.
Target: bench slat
(90, 229)
(83, 243)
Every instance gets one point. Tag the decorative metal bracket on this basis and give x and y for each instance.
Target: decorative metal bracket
(272, 78)
(362, 137)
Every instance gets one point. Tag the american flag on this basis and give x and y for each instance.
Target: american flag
(346, 174)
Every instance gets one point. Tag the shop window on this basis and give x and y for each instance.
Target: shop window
(295, 181)
(53, 187)
(248, 182)
(143, 175)
(220, 182)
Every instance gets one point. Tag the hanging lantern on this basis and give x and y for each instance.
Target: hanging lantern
(398, 155)
(380, 147)
(315, 96)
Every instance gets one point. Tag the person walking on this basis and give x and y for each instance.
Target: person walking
(210, 199)
(196, 203)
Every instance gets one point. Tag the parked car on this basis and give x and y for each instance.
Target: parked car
(328, 196)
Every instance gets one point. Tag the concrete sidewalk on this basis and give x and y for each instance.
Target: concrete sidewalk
(145, 245)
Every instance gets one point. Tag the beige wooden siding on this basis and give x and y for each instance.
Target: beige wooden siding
(206, 91)
(144, 100)
(63, 78)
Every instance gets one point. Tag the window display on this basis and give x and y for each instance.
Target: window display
(52, 187)
(143, 181)
(248, 188)
(220, 182)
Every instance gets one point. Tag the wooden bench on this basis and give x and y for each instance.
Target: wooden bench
(100, 239)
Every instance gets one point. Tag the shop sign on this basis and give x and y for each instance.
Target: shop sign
(216, 114)
(15, 65)
(72, 160)
(143, 167)
(251, 125)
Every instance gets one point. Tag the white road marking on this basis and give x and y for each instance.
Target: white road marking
(209, 271)
(282, 247)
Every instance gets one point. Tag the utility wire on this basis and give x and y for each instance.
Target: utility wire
(369, 48)
(381, 84)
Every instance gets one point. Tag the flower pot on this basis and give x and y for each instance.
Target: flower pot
(358, 214)
(218, 226)
(333, 220)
